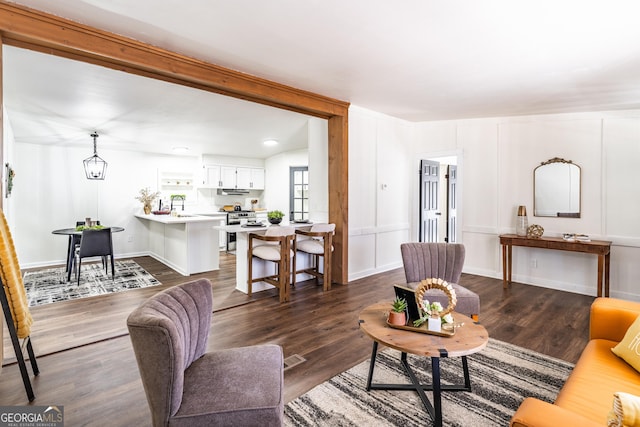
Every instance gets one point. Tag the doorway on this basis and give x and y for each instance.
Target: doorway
(299, 193)
(438, 212)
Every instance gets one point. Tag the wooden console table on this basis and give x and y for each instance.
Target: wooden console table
(601, 248)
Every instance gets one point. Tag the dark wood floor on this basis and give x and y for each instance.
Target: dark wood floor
(87, 363)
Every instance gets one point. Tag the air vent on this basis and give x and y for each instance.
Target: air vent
(232, 191)
(293, 360)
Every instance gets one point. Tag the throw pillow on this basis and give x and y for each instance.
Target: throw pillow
(629, 348)
(625, 411)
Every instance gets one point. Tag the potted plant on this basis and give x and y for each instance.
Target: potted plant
(275, 217)
(398, 315)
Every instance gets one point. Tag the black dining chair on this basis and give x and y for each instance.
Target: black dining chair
(95, 243)
(74, 244)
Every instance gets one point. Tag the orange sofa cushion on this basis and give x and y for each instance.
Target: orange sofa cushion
(586, 399)
(597, 376)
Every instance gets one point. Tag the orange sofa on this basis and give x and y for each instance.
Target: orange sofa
(587, 396)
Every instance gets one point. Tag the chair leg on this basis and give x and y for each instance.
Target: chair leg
(284, 273)
(250, 271)
(293, 264)
(326, 268)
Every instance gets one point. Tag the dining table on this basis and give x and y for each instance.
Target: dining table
(75, 234)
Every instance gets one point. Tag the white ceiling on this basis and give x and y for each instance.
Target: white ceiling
(413, 59)
(53, 100)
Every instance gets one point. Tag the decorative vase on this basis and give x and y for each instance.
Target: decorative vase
(397, 318)
(522, 223)
(147, 208)
(275, 221)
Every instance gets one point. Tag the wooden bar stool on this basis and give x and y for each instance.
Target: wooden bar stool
(277, 245)
(317, 242)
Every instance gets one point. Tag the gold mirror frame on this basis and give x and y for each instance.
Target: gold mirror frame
(444, 286)
(557, 192)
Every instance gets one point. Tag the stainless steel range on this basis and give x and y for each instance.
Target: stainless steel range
(237, 218)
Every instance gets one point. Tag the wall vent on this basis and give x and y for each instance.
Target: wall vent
(293, 360)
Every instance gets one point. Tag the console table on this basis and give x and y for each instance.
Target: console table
(601, 248)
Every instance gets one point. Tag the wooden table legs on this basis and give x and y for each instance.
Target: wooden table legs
(506, 265)
(604, 261)
(603, 269)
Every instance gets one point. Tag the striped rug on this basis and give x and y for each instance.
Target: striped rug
(502, 375)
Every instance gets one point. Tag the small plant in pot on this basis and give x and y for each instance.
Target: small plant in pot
(398, 316)
(275, 217)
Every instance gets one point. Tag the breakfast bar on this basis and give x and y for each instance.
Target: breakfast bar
(188, 244)
(259, 267)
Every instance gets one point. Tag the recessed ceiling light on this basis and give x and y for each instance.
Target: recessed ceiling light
(270, 142)
(180, 150)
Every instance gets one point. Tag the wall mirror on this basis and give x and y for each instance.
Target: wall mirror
(556, 189)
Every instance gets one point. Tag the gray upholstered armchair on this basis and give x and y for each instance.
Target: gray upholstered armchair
(442, 261)
(185, 385)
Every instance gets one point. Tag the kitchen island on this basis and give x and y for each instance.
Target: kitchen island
(188, 244)
(260, 268)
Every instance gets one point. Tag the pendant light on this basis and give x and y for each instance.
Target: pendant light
(94, 166)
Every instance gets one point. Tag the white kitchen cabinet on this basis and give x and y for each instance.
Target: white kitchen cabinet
(250, 178)
(257, 179)
(211, 176)
(189, 245)
(228, 176)
(245, 178)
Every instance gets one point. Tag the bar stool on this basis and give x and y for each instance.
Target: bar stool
(277, 245)
(317, 242)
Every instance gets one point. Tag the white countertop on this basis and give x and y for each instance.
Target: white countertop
(243, 229)
(187, 218)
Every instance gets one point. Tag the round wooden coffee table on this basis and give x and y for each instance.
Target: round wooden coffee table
(468, 339)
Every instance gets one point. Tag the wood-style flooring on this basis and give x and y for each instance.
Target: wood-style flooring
(88, 366)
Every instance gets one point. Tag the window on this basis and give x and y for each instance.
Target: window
(299, 193)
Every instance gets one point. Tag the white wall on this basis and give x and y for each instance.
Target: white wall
(380, 175)
(498, 156)
(276, 194)
(318, 161)
(51, 191)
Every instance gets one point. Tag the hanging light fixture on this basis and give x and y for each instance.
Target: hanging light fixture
(94, 166)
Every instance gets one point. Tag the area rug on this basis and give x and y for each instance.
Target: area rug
(502, 375)
(50, 285)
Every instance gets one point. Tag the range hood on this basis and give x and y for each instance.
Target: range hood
(232, 191)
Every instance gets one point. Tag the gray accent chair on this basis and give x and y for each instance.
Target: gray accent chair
(187, 386)
(441, 261)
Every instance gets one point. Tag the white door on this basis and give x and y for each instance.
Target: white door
(429, 206)
(452, 204)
